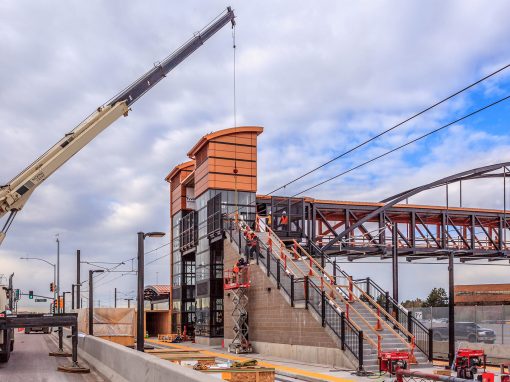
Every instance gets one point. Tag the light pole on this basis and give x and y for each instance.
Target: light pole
(140, 314)
(54, 272)
(129, 301)
(91, 299)
(58, 266)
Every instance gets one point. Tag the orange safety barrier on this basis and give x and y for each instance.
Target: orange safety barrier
(378, 325)
(351, 294)
(284, 257)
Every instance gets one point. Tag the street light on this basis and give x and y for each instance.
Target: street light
(91, 299)
(140, 314)
(54, 272)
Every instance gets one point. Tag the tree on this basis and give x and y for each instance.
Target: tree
(436, 297)
(416, 303)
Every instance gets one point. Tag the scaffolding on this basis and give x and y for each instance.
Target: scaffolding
(237, 281)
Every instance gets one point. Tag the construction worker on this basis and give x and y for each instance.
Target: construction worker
(253, 246)
(284, 221)
(269, 221)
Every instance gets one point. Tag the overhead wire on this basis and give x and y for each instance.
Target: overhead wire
(354, 148)
(402, 146)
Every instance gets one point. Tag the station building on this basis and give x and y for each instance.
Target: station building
(219, 178)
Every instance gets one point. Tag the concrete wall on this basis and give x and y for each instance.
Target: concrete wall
(276, 328)
(121, 364)
(496, 353)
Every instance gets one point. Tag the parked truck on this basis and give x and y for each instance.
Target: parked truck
(466, 331)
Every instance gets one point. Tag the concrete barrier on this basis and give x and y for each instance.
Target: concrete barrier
(496, 353)
(118, 363)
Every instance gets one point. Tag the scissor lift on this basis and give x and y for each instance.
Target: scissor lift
(238, 282)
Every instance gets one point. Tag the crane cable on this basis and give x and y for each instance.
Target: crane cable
(235, 170)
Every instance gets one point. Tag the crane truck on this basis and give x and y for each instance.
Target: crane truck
(15, 194)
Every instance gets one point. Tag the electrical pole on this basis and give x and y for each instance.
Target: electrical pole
(115, 297)
(140, 312)
(58, 269)
(91, 304)
(78, 255)
(451, 310)
(129, 301)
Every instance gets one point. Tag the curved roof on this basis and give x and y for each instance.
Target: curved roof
(233, 130)
(156, 292)
(178, 168)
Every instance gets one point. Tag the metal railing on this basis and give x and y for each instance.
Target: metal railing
(299, 288)
(423, 335)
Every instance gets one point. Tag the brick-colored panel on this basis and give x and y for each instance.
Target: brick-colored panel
(239, 138)
(271, 318)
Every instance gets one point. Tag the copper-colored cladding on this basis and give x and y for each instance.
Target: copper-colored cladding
(482, 294)
(177, 188)
(218, 154)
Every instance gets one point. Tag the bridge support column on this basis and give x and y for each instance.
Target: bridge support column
(451, 310)
(394, 252)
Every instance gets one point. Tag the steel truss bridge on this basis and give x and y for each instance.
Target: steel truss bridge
(390, 228)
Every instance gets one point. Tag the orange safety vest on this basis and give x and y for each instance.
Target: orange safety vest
(284, 220)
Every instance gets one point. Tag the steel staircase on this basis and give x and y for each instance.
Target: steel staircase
(352, 316)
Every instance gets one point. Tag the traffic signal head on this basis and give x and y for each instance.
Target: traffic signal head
(30, 294)
(52, 287)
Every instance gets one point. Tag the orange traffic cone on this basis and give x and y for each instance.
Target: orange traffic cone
(378, 326)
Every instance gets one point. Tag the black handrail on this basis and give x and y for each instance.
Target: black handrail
(383, 299)
(350, 337)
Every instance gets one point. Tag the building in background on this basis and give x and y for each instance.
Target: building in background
(482, 294)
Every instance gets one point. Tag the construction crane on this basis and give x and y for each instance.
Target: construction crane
(15, 194)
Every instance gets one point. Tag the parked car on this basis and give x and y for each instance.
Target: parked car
(466, 331)
(44, 330)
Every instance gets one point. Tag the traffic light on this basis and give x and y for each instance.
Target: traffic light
(17, 293)
(52, 287)
(30, 294)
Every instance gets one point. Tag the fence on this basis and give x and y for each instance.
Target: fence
(480, 323)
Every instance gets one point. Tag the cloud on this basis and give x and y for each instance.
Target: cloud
(320, 77)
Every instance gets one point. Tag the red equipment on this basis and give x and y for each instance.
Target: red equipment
(392, 361)
(468, 361)
(238, 278)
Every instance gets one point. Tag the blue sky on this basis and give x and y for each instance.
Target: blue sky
(318, 76)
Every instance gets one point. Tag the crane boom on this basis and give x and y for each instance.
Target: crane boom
(15, 194)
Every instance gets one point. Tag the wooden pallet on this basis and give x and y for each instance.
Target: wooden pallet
(245, 374)
(167, 337)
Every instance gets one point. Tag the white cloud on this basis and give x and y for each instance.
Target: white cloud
(319, 76)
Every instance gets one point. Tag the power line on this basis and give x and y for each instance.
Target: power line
(390, 129)
(402, 146)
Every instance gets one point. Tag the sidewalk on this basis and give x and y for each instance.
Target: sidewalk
(290, 368)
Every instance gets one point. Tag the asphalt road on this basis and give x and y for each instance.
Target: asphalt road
(30, 362)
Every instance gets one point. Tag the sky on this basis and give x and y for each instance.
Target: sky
(318, 76)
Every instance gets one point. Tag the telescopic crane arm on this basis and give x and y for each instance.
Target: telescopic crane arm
(15, 194)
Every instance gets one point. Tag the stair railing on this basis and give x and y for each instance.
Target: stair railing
(423, 335)
(323, 273)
